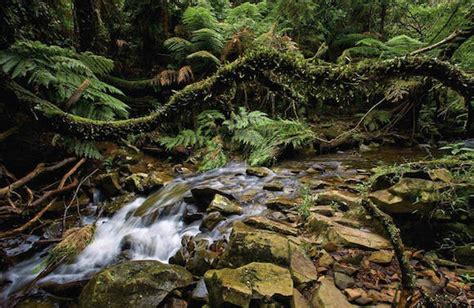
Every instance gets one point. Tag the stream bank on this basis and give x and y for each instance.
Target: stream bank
(293, 235)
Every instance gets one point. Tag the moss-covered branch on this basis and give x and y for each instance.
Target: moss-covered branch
(133, 87)
(248, 68)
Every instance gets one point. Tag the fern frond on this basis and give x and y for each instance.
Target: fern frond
(185, 74)
(81, 148)
(203, 54)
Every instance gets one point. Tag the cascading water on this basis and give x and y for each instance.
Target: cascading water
(148, 228)
(153, 228)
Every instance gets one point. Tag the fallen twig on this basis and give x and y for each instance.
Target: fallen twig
(40, 168)
(29, 223)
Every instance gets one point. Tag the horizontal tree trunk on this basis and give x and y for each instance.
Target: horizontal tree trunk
(248, 68)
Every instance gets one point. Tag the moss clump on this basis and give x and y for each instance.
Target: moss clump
(74, 241)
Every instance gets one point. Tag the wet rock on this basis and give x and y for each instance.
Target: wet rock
(202, 261)
(350, 237)
(224, 205)
(199, 293)
(255, 281)
(34, 302)
(364, 300)
(343, 281)
(314, 183)
(203, 196)
(248, 245)
(328, 296)
(114, 205)
(109, 183)
(192, 214)
(261, 222)
(212, 219)
(260, 172)
(143, 182)
(381, 257)
(135, 284)
(274, 186)
(282, 203)
(408, 195)
(65, 290)
(277, 216)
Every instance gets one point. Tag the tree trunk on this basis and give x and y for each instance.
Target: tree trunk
(88, 26)
(244, 69)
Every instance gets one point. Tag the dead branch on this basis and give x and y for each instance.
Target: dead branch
(77, 94)
(446, 40)
(29, 223)
(71, 172)
(53, 193)
(40, 168)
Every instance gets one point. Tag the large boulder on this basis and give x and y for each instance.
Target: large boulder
(255, 281)
(326, 229)
(134, 284)
(408, 195)
(248, 245)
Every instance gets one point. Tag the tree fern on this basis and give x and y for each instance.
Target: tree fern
(262, 139)
(60, 72)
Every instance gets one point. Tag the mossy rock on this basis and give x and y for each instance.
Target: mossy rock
(248, 245)
(255, 281)
(224, 205)
(134, 284)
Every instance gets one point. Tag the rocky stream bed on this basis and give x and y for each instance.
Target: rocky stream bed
(294, 235)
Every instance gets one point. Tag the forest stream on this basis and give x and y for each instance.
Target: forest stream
(236, 153)
(171, 225)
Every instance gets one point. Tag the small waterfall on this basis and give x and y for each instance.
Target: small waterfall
(145, 229)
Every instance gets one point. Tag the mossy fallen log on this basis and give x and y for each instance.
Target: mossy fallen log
(248, 68)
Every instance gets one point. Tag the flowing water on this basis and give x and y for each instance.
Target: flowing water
(153, 228)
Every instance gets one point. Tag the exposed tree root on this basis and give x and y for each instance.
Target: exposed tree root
(245, 69)
(408, 279)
